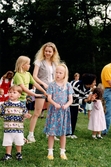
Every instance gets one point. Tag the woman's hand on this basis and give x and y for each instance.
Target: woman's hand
(45, 86)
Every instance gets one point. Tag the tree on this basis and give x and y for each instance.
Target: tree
(82, 43)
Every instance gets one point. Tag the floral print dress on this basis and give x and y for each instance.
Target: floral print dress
(58, 121)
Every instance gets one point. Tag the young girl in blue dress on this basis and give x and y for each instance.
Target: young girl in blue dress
(58, 122)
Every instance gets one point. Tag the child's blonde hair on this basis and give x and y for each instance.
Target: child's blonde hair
(16, 88)
(66, 72)
(20, 62)
(40, 54)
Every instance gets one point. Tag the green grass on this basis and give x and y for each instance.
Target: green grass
(81, 152)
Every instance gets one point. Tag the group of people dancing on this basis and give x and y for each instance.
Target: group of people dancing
(50, 78)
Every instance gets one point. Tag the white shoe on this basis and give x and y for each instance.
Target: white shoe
(31, 138)
(99, 137)
(68, 136)
(55, 138)
(94, 137)
(73, 137)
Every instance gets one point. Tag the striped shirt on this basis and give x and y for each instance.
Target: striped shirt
(80, 92)
(13, 114)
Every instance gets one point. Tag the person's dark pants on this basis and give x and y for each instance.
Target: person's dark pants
(74, 115)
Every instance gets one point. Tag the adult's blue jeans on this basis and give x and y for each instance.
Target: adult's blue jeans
(107, 98)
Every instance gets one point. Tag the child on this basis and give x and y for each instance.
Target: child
(6, 82)
(58, 122)
(97, 121)
(3, 97)
(24, 78)
(13, 112)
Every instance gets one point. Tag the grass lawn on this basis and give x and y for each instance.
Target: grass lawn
(81, 152)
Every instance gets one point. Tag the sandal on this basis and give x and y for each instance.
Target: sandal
(50, 157)
(63, 156)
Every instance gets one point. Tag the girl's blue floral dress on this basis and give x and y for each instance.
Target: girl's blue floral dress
(58, 121)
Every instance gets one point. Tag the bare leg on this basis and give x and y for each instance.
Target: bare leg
(8, 150)
(50, 147)
(62, 147)
(38, 108)
(50, 142)
(18, 148)
(63, 141)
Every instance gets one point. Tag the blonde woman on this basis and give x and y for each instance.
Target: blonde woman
(45, 63)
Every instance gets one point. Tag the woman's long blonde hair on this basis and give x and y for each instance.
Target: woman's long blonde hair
(66, 73)
(20, 62)
(40, 54)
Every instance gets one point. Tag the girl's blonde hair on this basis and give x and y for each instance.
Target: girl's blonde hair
(20, 62)
(40, 54)
(66, 72)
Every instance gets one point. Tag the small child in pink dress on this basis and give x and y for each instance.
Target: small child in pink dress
(97, 121)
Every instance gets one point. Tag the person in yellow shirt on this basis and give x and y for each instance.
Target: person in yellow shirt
(106, 82)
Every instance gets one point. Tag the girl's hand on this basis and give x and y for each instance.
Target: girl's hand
(64, 107)
(57, 106)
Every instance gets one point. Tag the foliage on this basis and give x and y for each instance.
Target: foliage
(83, 44)
(81, 152)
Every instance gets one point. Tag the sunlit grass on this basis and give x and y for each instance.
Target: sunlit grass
(81, 152)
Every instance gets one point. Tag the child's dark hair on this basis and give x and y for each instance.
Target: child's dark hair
(98, 92)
